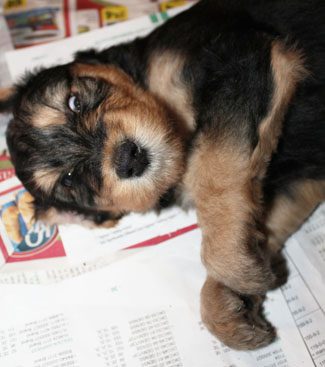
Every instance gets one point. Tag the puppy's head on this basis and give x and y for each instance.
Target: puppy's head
(86, 138)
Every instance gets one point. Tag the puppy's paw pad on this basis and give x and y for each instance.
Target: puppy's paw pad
(243, 333)
(251, 336)
(238, 321)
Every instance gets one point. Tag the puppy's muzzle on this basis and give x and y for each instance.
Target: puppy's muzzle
(130, 159)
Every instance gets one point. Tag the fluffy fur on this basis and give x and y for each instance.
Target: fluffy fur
(224, 105)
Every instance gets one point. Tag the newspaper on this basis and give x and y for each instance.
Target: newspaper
(129, 296)
(47, 254)
(143, 310)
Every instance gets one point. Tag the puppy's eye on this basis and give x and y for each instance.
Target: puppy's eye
(74, 103)
(67, 180)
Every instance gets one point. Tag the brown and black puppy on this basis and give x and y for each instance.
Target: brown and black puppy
(224, 104)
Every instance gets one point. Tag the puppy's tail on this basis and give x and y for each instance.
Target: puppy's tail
(7, 99)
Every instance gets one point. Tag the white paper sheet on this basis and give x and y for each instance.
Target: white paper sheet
(144, 311)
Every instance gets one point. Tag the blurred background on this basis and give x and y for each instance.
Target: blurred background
(25, 23)
(33, 22)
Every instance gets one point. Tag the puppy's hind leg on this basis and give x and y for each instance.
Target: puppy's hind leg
(286, 214)
(289, 210)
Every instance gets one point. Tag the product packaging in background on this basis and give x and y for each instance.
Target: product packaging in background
(34, 22)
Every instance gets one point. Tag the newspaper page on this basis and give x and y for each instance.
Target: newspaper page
(144, 311)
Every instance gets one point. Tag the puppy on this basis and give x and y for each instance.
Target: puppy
(224, 105)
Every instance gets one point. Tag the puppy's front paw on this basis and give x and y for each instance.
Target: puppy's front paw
(236, 321)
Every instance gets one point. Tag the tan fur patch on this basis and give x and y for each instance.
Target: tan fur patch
(165, 81)
(288, 212)
(46, 116)
(218, 178)
(125, 91)
(126, 95)
(109, 73)
(46, 179)
(5, 93)
(288, 69)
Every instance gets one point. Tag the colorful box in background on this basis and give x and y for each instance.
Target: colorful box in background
(6, 167)
(34, 22)
(166, 5)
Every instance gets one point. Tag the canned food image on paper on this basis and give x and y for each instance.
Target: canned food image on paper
(23, 238)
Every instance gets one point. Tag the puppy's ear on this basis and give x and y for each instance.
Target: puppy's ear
(128, 57)
(7, 99)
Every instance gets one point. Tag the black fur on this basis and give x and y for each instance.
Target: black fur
(227, 45)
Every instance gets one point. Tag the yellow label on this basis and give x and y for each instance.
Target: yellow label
(12, 4)
(165, 5)
(114, 13)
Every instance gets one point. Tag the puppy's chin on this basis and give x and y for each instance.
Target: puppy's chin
(53, 216)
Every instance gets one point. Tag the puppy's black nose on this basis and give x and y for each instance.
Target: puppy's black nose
(130, 159)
